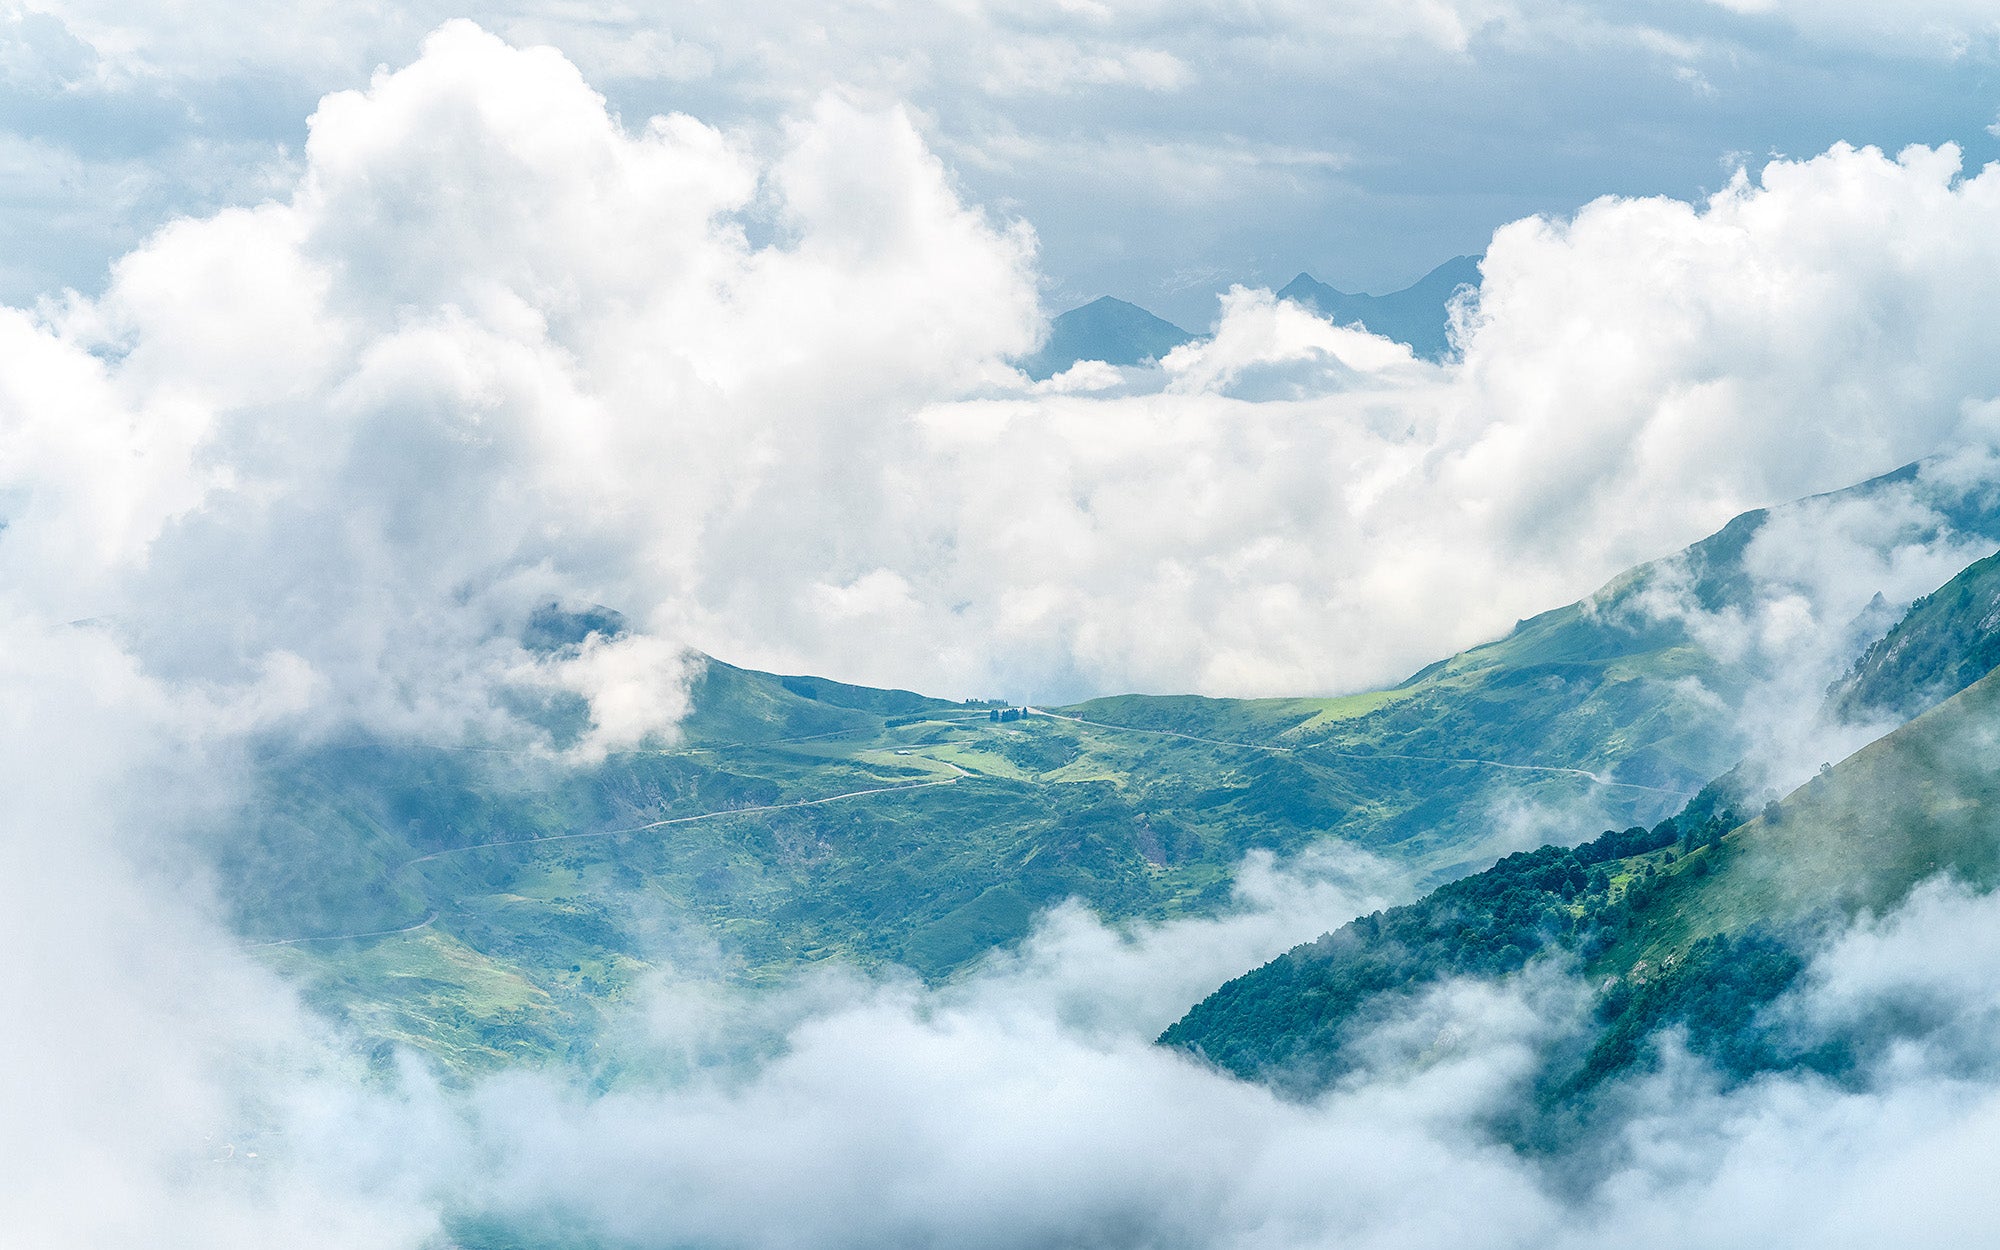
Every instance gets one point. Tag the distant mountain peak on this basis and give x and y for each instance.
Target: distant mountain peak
(1109, 329)
(1419, 314)
(1119, 332)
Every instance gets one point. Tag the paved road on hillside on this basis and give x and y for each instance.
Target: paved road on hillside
(341, 937)
(1597, 778)
(957, 773)
(713, 747)
(720, 813)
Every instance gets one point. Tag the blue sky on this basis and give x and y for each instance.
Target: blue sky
(1161, 152)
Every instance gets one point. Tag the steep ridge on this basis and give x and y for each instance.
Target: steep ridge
(1696, 922)
(1419, 314)
(485, 903)
(1617, 685)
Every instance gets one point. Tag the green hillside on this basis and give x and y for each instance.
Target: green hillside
(1698, 921)
(498, 905)
(1949, 640)
(489, 906)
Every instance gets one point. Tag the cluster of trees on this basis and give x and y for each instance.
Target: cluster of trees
(1295, 1010)
(1714, 992)
(1697, 834)
(1287, 1021)
(1944, 644)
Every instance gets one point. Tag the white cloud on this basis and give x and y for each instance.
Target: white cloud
(636, 687)
(493, 349)
(1265, 348)
(497, 347)
(152, 1073)
(982, 1115)
(1631, 379)
(1823, 579)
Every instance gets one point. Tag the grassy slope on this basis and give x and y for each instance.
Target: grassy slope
(1918, 802)
(1922, 801)
(1700, 929)
(1594, 686)
(1143, 815)
(531, 941)
(1948, 640)
(979, 826)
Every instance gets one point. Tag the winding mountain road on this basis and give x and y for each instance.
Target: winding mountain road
(1597, 778)
(957, 773)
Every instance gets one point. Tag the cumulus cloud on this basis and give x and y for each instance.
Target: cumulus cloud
(1630, 379)
(491, 349)
(1265, 348)
(496, 347)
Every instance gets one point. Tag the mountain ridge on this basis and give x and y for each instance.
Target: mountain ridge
(1699, 921)
(1418, 315)
(483, 905)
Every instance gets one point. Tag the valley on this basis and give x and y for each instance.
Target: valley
(488, 905)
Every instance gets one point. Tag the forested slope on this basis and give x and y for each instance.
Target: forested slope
(1698, 921)
(485, 902)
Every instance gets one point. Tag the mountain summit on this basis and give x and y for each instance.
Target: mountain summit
(1419, 314)
(1105, 329)
(1121, 333)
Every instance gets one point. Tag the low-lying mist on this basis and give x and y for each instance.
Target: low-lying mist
(163, 1090)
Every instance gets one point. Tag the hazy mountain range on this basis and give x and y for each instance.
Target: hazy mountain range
(488, 908)
(1637, 840)
(1120, 333)
(1699, 923)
